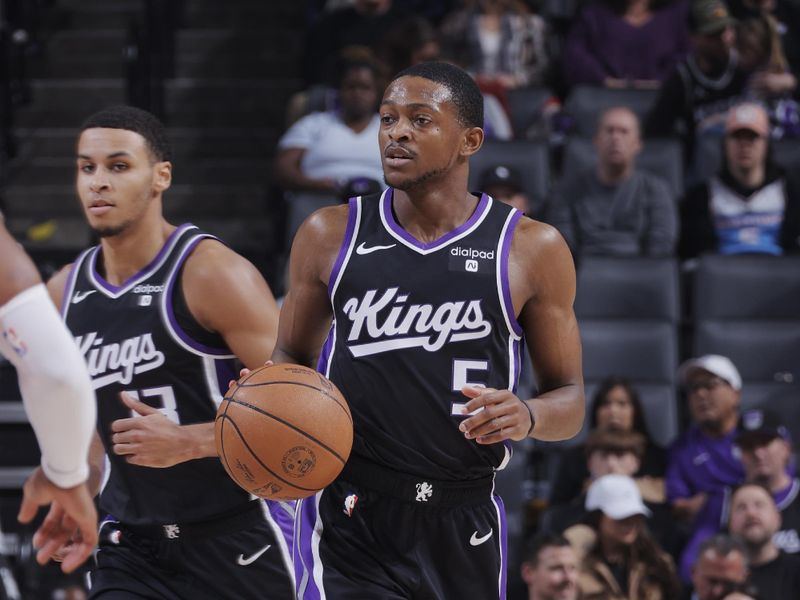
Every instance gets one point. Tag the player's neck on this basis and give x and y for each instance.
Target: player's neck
(129, 252)
(429, 214)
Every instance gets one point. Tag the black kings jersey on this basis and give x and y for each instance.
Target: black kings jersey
(133, 339)
(412, 324)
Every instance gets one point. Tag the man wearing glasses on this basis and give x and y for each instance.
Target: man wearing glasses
(703, 461)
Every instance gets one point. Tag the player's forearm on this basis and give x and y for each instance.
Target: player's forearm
(198, 441)
(558, 413)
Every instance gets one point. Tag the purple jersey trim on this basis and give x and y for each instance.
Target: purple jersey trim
(152, 266)
(349, 233)
(70, 285)
(388, 215)
(517, 360)
(503, 258)
(325, 356)
(172, 322)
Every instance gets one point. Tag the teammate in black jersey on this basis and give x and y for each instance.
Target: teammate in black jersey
(159, 313)
(413, 300)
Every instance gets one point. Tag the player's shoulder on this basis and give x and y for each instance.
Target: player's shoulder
(537, 239)
(57, 284)
(212, 261)
(327, 224)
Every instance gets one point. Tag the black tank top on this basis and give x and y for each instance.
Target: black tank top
(412, 324)
(134, 339)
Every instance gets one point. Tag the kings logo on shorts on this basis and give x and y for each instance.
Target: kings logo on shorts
(382, 322)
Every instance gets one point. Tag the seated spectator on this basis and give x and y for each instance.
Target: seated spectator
(721, 567)
(752, 205)
(766, 451)
(499, 42)
(756, 520)
(703, 461)
(364, 23)
(550, 569)
(323, 151)
(616, 210)
(618, 557)
(626, 43)
(504, 183)
(615, 407)
(771, 81)
(696, 97)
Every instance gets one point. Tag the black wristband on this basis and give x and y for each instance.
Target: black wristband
(530, 412)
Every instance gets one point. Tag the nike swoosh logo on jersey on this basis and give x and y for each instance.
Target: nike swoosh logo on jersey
(477, 541)
(253, 557)
(362, 249)
(81, 296)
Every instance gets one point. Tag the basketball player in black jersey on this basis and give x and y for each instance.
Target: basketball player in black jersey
(420, 298)
(58, 399)
(160, 312)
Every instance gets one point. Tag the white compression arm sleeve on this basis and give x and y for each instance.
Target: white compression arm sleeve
(55, 385)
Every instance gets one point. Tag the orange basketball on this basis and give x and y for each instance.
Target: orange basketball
(283, 432)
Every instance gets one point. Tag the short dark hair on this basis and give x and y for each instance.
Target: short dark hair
(541, 541)
(615, 442)
(722, 544)
(464, 91)
(137, 120)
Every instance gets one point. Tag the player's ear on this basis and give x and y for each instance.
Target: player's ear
(162, 175)
(472, 141)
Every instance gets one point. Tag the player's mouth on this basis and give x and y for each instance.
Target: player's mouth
(397, 156)
(100, 207)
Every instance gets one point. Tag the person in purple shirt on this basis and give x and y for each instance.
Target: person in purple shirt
(617, 43)
(703, 461)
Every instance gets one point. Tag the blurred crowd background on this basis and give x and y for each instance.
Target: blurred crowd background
(661, 138)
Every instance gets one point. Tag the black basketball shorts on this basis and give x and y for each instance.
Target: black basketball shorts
(246, 557)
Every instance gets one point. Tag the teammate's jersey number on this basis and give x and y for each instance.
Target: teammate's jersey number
(169, 407)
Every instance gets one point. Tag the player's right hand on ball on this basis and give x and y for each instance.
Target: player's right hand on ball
(70, 527)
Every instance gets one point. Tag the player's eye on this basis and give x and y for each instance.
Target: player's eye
(87, 168)
(422, 120)
(387, 119)
(119, 167)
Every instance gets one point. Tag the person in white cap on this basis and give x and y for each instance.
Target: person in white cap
(751, 205)
(619, 557)
(703, 461)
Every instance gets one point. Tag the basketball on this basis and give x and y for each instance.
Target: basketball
(283, 432)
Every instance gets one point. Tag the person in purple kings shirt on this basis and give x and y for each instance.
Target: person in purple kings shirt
(703, 461)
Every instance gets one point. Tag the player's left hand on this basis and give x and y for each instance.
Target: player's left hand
(68, 533)
(150, 439)
(504, 416)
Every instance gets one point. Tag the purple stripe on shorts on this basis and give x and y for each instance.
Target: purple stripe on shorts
(386, 208)
(504, 254)
(302, 549)
(501, 509)
(352, 213)
(284, 519)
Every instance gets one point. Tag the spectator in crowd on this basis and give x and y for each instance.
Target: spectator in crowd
(752, 205)
(363, 23)
(771, 81)
(616, 209)
(703, 462)
(619, 559)
(322, 152)
(626, 43)
(504, 183)
(756, 520)
(615, 407)
(766, 451)
(550, 569)
(500, 42)
(696, 97)
(720, 568)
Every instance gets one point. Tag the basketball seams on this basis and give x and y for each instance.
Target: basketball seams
(294, 382)
(304, 433)
(258, 460)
